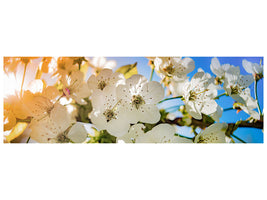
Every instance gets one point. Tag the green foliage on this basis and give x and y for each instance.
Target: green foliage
(128, 70)
(83, 111)
(102, 137)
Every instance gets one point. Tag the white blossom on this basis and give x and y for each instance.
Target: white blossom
(236, 83)
(109, 113)
(100, 63)
(199, 96)
(250, 105)
(140, 98)
(74, 87)
(215, 133)
(105, 80)
(175, 67)
(218, 69)
(252, 68)
(51, 127)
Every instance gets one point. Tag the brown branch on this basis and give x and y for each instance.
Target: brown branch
(200, 123)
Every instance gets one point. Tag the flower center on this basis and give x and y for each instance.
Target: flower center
(137, 101)
(101, 85)
(235, 89)
(195, 95)
(169, 69)
(109, 114)
(62, 138)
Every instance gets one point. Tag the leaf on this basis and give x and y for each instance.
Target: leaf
(17, 131)
(128, 70)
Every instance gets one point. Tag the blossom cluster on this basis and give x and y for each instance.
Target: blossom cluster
(57, 99)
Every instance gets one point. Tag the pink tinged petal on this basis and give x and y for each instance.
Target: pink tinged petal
(148, 113)
(152, 92)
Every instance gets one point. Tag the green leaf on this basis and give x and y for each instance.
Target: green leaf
(128, 70)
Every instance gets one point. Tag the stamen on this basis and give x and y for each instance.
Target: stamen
(137, 101)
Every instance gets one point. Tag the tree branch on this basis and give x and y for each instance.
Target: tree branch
(201, 124)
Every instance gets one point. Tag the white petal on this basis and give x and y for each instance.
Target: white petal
(245, 81)
(51, 92)
(215, 67)
(60, 116)
(77, 133)
(98, 119)
(118, 127)
(215, 133)
(152, 92)
(110, 64)
(191, 109)
(148, 113)
(248, 66)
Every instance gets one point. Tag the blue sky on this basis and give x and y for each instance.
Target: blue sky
(251, 135)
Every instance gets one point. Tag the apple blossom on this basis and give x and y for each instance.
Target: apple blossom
(253, 68)
(109, 113)
(105, 80)
(236, 83)
(140, 98)
(173, 66)
(74, 87)
(199, 96)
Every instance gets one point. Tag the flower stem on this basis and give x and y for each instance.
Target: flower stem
(182, 136)
(220, 95)
(238, 138)
(28, 139)
(256, 96)
(152, 73)
(178, 97)
(227, 109)
(23, 78)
